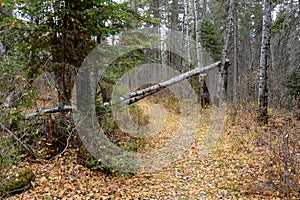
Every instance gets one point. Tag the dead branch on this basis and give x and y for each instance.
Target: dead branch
(17, 139)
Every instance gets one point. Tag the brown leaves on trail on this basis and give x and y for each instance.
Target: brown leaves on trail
(238, 167)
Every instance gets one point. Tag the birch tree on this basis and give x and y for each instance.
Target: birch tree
(223, 76)
(265, 47)
(204, 93)
(197, 16)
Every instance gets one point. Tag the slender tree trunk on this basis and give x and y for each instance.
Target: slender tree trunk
(198, 32)
(265, 47)
(204, 7)
(235, 55)
(203, 90)
(174, 15)
(156, 14)
(223, 77)
(4, 46)
(172, 58)
(186, 42)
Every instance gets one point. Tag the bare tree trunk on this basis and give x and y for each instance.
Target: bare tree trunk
(174, 15)
(156, 14)
(186, 41)
(198, 33)
(204, 93)
(265, 46)
(173, 59)
(204, 7)
(223, 76)
(235, 54)
(4, 45)
(205, 97)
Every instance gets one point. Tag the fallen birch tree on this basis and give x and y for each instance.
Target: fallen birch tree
(66, 108)
(139, 94)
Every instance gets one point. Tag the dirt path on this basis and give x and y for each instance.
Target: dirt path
(221, 172)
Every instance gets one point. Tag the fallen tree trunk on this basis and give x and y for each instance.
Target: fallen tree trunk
(140, 94)
(66, 108)
(159, 86)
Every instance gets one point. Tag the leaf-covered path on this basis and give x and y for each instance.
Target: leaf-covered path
(227, 171)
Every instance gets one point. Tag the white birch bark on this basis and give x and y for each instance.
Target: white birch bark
(265, 46)
(66, 108)
(198, 33)
(176, 79)
(199, 52)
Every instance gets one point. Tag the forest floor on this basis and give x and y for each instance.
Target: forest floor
(236, 167)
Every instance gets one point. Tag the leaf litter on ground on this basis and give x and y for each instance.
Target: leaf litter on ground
(233, 168)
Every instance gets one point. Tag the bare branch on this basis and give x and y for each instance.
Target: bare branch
(16, 138)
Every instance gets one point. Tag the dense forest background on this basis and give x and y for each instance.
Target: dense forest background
(44, 43)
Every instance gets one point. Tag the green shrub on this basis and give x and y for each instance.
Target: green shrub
(19, 182)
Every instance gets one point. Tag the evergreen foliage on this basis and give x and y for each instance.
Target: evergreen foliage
(211, 38)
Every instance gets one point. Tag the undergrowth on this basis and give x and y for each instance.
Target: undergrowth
(274, 150)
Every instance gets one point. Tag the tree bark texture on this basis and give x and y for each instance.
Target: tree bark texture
(223, 77)
(198, 33)
(265, 46)
(186, 41)
(204, 93)
(235, 54)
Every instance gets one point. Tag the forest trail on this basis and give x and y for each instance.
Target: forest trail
(226, 171)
